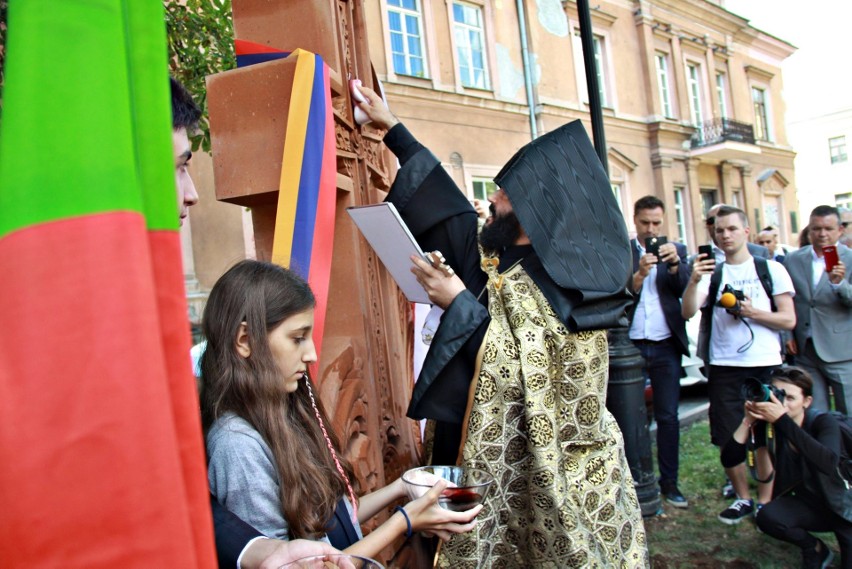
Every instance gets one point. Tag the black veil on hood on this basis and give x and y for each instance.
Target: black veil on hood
(563, 198)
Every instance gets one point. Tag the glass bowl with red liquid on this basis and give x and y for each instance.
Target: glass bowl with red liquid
(468, 486)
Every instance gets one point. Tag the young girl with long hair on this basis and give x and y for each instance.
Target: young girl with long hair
(273, 460)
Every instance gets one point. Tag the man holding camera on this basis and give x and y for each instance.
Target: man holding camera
(824, 310)
(740, 321)
(659, 331)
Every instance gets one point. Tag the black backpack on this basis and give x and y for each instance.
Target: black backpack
(837, 489)
(761, 265)
(844, 466)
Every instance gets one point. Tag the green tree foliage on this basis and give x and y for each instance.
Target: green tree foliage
(201, 43)
(200, 37)
(4, 6)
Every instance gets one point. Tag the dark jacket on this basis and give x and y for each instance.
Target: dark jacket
(440, 217)
(670, 287)
(232, 534)
(806, 460)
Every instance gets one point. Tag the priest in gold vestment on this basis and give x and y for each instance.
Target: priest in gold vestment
(515, 380)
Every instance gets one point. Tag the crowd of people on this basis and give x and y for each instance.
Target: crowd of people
(515, 382)
(762, 307)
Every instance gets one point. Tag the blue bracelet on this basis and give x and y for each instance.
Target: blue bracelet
(407, 520)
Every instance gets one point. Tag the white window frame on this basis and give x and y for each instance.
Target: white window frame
(486, 184)
(601, 66)
(661, 61)
(714, 195)
(837, 149)
(736, 199)
(722, 94)
(761, 122)
(694, 90)
(462, 33)
(680, 215)
(618, 192)
(773, 211)
(404, 14)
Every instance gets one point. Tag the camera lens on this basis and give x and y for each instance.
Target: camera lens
(754, 390)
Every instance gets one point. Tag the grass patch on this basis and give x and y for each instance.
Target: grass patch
(694, 538)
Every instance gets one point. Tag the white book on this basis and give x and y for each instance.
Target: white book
(386, 232)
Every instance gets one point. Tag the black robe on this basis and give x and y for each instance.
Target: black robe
(441, 218)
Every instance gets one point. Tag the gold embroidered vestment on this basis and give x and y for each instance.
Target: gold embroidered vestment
(563, 493)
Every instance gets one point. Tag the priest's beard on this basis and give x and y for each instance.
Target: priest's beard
(503, 231)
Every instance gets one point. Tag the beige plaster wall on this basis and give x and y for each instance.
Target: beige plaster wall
(217, 227)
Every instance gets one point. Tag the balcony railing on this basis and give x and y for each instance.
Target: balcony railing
(722, 130)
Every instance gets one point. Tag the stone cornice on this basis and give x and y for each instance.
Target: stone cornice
(759, 73)
(600, 18)
(703, 14)
(424, 93)
(762, 41)
(621, 157)
(707, 24)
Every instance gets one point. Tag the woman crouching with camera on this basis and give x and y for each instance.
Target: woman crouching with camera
(808, 492)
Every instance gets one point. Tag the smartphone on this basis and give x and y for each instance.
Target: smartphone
(652, 245)
(706, 250)
(830, 252)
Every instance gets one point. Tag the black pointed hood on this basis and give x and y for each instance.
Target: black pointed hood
(564, 201)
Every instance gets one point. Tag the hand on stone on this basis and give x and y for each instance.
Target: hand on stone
(376, 109)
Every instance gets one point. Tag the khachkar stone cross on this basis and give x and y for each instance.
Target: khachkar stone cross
(365, 369)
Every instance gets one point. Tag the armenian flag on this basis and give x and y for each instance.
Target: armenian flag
(100, 438)
(304, 224)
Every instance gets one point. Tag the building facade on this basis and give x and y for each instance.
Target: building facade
(692, 96)
(823, 167)
(692, 99)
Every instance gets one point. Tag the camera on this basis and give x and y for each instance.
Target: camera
(730, 299)
(755, 390)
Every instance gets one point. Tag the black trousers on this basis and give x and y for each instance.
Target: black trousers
(790, 518)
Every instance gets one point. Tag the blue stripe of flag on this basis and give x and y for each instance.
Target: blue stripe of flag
(252, 58)
(309, 183)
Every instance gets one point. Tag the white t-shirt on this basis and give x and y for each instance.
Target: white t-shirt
(729, 333)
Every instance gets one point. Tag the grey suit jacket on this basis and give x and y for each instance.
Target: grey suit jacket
(757, 250)
(825, 312)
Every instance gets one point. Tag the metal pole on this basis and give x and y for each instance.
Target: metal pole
(588, 42)
(525, 57)
(626, 389)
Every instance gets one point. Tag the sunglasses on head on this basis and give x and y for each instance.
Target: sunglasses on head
(845, 223)
(710, 220)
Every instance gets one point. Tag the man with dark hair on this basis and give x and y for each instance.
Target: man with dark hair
(744, 302)
(768, 237)
(237, 543)
(659, 332)
(824, 311)
(185, 116)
